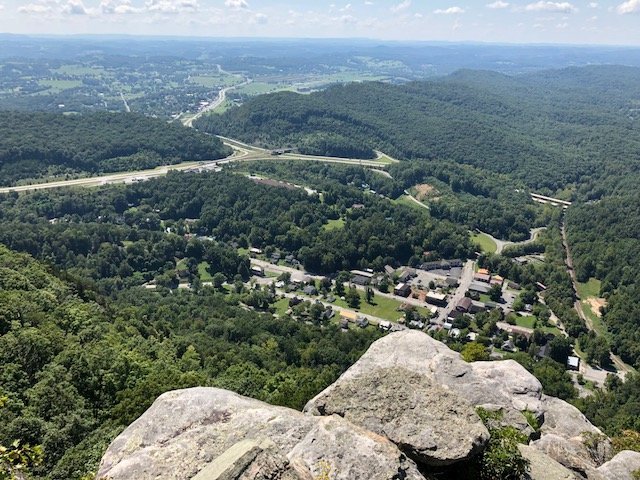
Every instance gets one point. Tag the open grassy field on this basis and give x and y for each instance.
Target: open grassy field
(485, 242)
(80, 70)
(216, 80)
(281, 306)
(334, 225)
(589, 289)
(56, 86)
(589, 293)
(406, 200)
(203, 273)
(382, 307)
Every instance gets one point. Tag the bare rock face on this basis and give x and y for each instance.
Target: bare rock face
(621, 467)
(574, 453)
(430, 423)
(543, 467)
(569, 438)
(408, 399)
(343, 451)
(213, 434)
(562, 418)
(504, 383)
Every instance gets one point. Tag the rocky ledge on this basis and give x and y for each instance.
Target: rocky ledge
(406, 410)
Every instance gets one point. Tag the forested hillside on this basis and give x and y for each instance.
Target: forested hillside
(552, 130)
(605, 241)
(35, 145)
(116, 236)
(76, 371)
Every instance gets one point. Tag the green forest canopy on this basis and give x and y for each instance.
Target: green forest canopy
(551, 130)
(37, 144)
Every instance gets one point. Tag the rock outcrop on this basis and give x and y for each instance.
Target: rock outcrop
(569, 438)
(542, 467)
(622, 466)
(430, 423)
(216, 434)
(407, 407)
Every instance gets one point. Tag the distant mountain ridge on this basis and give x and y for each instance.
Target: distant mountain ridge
(550, 129)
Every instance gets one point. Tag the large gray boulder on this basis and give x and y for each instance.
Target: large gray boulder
(621, 467)
(575, 453)
(569, 438)
(427, 421)
(505, 383)
(543, 467)
(562, 418)
(220, 435)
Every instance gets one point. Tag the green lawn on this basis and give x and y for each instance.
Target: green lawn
(598, 325)
(57, 86)
(203, 273)
(334, 225)
(281, 306)
(589, 289)
(485, 242)
(525, 321)
(382, 307)
(529, 322)
(406, 200)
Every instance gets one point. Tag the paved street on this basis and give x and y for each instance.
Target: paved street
(465, 282)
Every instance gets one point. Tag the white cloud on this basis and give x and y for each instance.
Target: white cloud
(236, 4)
(630, 6)
(402, 6)
(368, 3)
(593, 5)
(75, 7)
(562, 26)
(259, 19)
(449, 11)
(542, 6)
(497, 5)
(118, 7)
(171, 6)
(1, 7)
(39, 8)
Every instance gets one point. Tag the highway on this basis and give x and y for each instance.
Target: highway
(242, 152)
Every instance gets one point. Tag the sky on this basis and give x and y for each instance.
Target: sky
(502, 21)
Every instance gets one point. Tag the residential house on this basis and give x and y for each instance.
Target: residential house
(509, 346)
(482, 277)
(362, 322)
(275, 257)
(479, 287)
(407, 274)
(402, 290)
(384, 325)
(257, 271)
(310, 290)
(436, 298)
(451, 282)
(573, 363)
(464, 305)
(295, 301)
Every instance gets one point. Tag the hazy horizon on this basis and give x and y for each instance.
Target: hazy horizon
(522, 22)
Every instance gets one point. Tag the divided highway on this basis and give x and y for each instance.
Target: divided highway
(242, 152)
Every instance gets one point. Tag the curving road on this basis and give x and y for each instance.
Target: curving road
(242, 152)
(502, 244)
